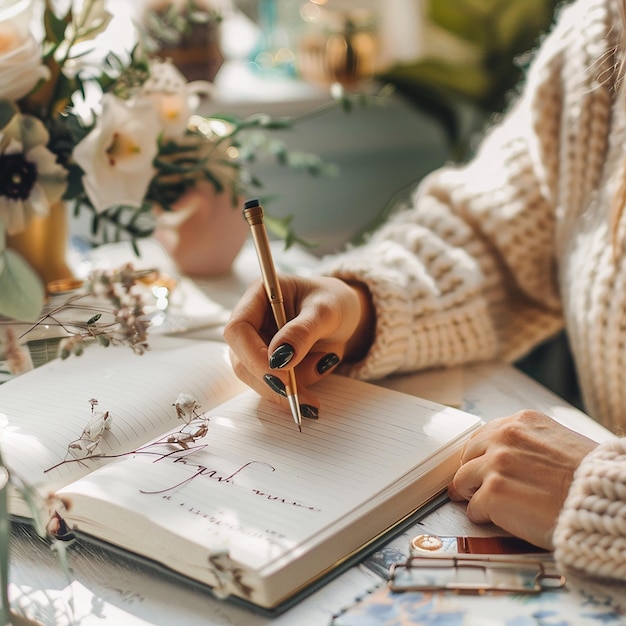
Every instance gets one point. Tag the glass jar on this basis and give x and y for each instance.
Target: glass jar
(339, 46)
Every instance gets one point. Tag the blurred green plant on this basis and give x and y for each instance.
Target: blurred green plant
(482, 53)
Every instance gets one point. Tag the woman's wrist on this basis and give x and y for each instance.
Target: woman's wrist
(362, 339)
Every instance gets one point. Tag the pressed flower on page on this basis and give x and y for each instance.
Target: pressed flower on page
(117, 155)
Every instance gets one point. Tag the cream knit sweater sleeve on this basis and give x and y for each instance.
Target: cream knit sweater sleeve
(468, 271)
(590, 536)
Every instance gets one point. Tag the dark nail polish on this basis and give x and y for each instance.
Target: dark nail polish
(281, 356)
(309, 411)
(326, 362)
(275, 384)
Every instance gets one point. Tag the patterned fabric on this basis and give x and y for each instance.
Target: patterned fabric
(493, 257)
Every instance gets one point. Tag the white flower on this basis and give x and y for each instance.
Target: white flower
(21, 67)
(30, 177)
(186, 407)
(117, 155)
(172, 96)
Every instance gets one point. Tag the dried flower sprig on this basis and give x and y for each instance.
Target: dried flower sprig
(229, 576)
(89, 441)
(195, 427)
(114, 302)
(130, 323)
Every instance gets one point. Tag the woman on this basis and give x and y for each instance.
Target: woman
(489, 260)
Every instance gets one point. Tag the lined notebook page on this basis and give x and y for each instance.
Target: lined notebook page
(259, 487)
(43, 411)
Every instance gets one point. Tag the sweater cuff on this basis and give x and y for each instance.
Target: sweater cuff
(389, 346)
(590, 535)
(417, 327)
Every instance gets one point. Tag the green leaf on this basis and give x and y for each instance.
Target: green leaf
(464, 18)
(7, 111)
(55, 27)
(519, 24)
(468, 79)
(65, 88)
(21, 290)
(279, 226)
(32, 497)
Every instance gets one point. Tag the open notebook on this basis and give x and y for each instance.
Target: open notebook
(254, 509)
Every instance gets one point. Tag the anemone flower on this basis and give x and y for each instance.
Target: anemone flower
(30, 177)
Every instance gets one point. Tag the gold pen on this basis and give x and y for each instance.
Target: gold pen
(253, 212)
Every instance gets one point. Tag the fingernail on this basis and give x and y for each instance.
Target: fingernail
(309, 411)
(275, 384)
(326, 362)
(281, 356)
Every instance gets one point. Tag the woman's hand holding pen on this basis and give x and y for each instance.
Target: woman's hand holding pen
(329, 321)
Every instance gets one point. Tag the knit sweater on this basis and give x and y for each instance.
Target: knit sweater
(495, 256)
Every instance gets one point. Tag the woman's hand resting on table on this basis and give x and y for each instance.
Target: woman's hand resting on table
(330, 321)
(516, 472)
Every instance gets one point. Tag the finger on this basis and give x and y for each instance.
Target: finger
(322, 319)
(246, 330)
(273, 385)
(250, 323)
(466, 481)
(315, 366)
(253, 306)
(454, 495)
(478, 507)
(494, 431)
(251, 379)
(305, 335)
(501, 502)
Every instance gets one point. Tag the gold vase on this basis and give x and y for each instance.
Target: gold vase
(43, 244)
